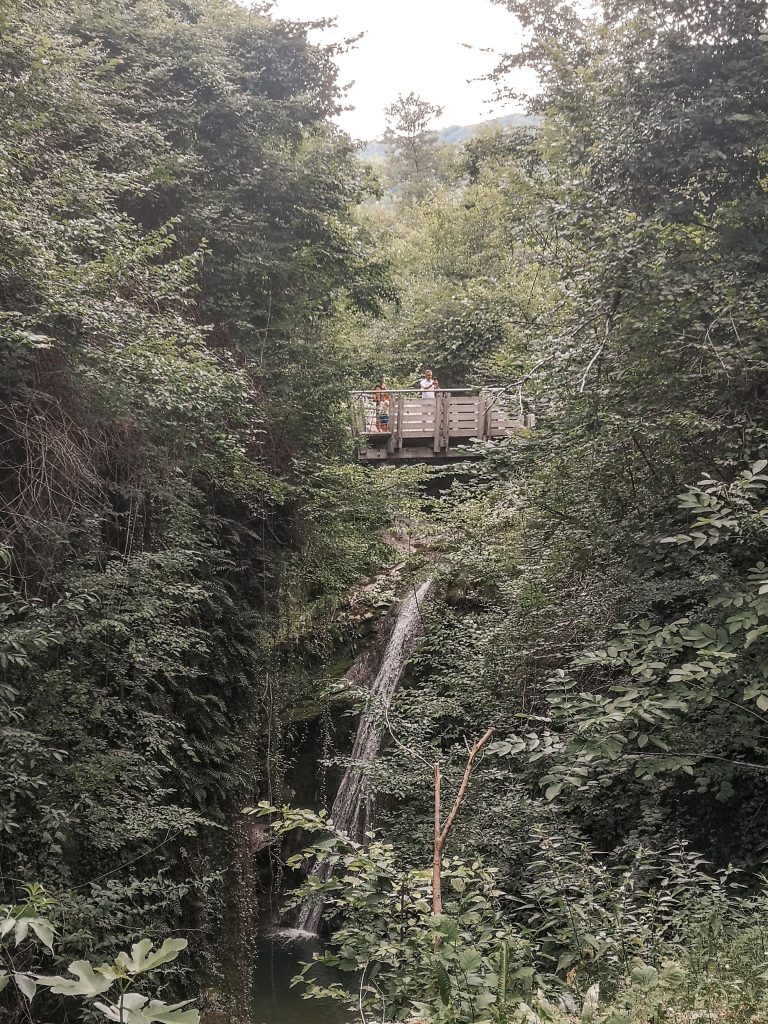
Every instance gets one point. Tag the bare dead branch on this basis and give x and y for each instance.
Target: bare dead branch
(442, 829)
(474, 751)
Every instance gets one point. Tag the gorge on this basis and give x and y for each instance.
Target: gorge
(198, 268)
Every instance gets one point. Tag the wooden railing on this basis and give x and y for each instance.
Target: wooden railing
(445, 419)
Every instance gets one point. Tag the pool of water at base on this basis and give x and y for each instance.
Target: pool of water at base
(279, 956)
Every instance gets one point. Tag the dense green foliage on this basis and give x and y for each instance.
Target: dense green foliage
(193, 263)
(107, 990)
(659, 933)
(176, 214)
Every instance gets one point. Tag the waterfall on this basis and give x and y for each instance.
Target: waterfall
(347, 807)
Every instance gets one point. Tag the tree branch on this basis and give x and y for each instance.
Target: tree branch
(474, 751)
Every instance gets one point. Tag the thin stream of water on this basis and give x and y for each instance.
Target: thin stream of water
(347, 807)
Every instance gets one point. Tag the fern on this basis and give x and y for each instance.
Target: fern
(503, 971)
(443, 981)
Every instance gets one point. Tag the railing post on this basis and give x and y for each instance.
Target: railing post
(438, 433)
(446, 418)
(400, 417)
(481, 401)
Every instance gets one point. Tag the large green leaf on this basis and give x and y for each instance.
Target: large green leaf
(470, 959)
(89, 983)
(161, 1013)
(26, 985)
(134, 1008)
(127, 1010)
(446, 927)
(142, 959)
(591, 1003)
(43, 931)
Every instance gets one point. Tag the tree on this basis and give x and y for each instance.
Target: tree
(416, 151)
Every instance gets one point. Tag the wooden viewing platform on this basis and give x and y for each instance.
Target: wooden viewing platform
(439, 427)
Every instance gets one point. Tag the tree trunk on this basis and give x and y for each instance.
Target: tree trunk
(437, 856)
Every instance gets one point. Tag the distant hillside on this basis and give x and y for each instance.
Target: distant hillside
(455, 133)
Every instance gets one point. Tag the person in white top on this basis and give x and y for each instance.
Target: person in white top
(428, 385)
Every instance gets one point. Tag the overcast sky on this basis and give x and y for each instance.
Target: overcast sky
(414, 44)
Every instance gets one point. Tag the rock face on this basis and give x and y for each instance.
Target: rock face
(348, 813)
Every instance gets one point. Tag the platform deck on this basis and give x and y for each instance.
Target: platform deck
(444, 426)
